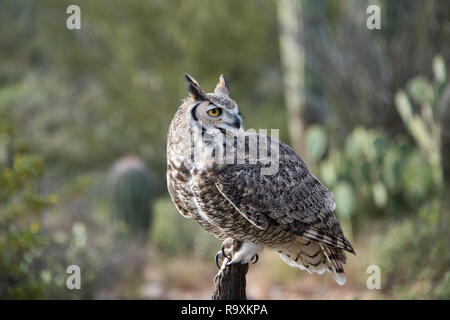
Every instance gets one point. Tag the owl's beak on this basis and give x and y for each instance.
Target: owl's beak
(237, 122)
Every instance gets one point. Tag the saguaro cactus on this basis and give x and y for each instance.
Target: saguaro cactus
(131, 194)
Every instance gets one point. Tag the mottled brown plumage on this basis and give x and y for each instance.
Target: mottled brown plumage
(290, 210)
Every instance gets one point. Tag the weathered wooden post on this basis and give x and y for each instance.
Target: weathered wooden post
(231, 285)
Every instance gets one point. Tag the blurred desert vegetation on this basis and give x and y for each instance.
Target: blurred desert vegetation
(83, 122)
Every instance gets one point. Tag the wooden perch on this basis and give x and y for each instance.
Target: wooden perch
(231, 286)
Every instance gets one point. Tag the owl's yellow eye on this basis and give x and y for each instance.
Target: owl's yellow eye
(214, 112)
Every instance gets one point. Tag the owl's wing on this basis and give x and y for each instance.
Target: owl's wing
(292, 198)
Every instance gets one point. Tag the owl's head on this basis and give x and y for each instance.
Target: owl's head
(215, 112)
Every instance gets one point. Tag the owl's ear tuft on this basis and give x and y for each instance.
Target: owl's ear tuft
(194, 89)
(222, 86)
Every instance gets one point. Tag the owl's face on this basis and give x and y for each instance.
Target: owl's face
(215, 118)
(213, 113)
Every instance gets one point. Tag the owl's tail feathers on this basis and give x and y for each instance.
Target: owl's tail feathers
(336, 258)
(333, 241)
(315, 257)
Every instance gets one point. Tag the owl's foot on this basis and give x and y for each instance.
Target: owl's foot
(224, 254)
(225, 251)
(234, 251)
(244, 252)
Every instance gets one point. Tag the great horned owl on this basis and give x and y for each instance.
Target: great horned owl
(289, 211)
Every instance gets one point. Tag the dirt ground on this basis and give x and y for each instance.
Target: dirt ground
(270, 278)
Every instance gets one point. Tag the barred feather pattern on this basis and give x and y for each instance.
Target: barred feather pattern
(290, 211)
(314, 257)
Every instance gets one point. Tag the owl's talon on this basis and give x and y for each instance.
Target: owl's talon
(256, 258)
(217, 260)
(219, 256)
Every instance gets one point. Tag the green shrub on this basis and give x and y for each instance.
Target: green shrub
(21, 241)
(415, 256)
